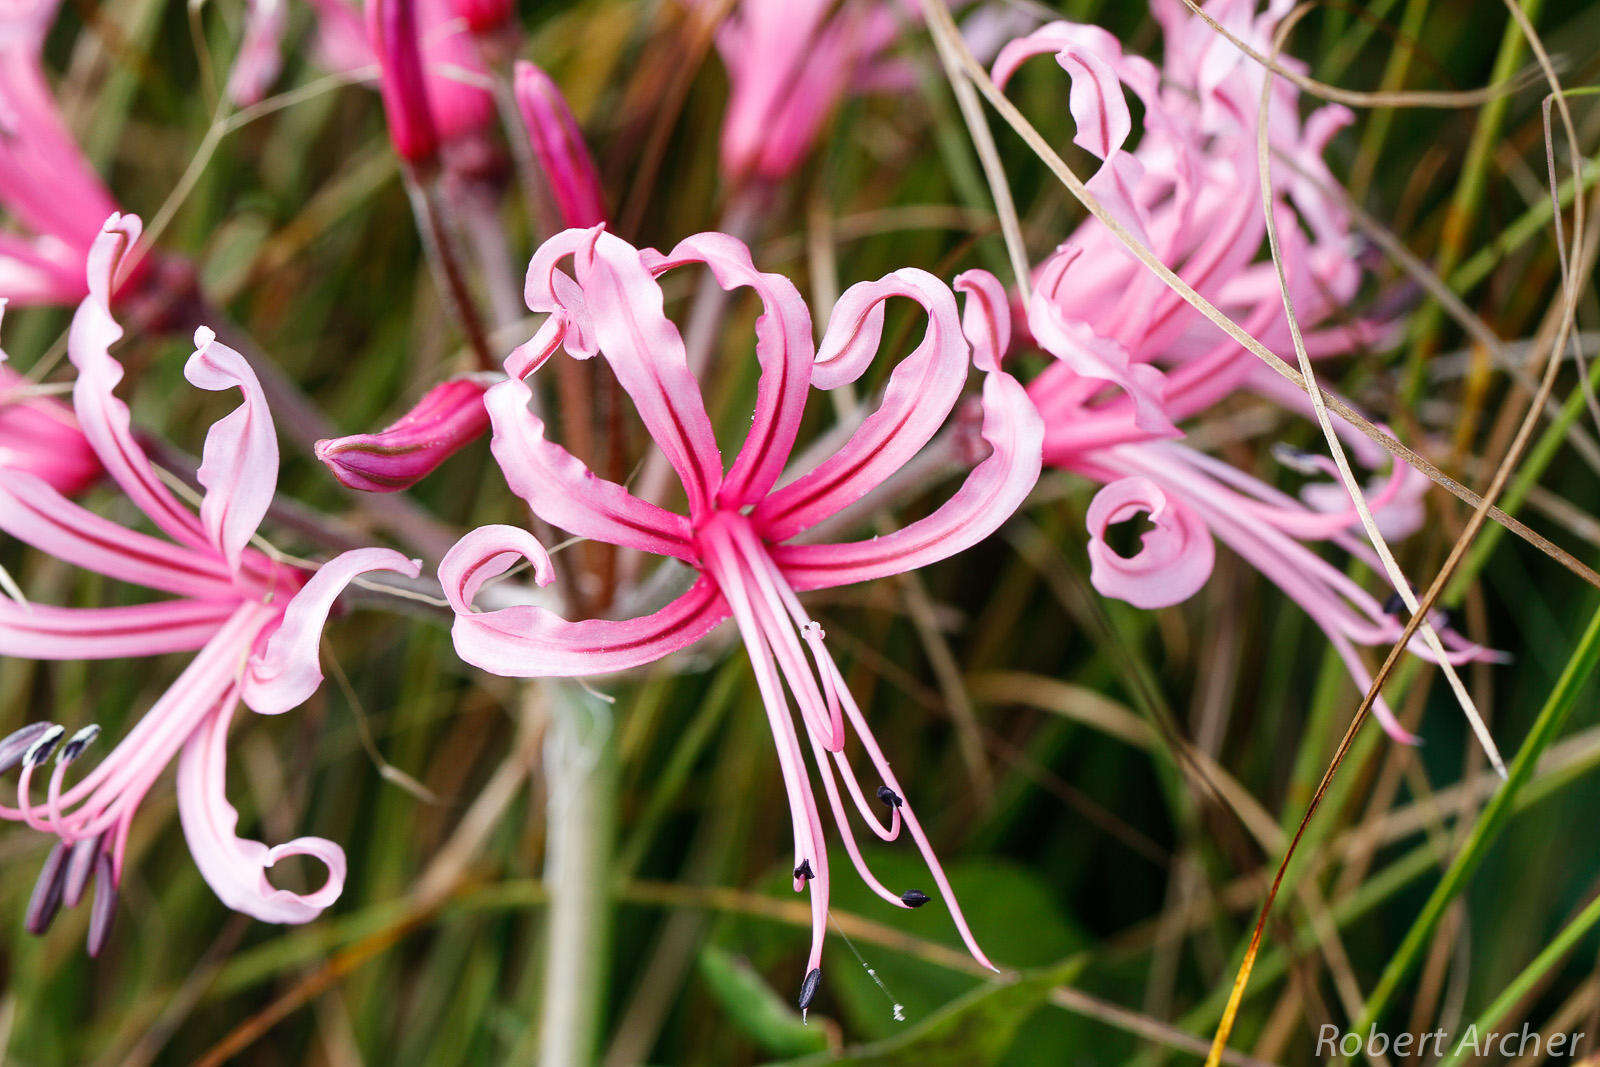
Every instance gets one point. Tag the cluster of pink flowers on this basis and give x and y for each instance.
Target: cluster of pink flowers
(1132, 362)
(1133, 359)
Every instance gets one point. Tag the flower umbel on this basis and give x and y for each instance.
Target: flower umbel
(253, 623)
(739, 533)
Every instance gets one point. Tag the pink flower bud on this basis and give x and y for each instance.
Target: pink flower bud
(450, 417)
(482, 16)
(392, 26)
(557, 142)
(41, 436)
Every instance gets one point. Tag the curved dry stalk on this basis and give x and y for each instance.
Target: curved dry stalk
(1447, 98)
(994, 171)
(1352, 485)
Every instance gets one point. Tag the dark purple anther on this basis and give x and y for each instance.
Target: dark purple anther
(17, 743)
(46, 898)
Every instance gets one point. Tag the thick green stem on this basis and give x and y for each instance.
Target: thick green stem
(580, 774)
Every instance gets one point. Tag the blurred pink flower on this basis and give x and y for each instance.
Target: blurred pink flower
(40, 435)
(254, 623)
(739, 533)
(558, 145)
(434, 81)
(46, 184)
(791, 63)
(443, 422)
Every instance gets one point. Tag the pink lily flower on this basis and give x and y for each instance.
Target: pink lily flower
(254, 624)
(741, 535)
(1125, 441)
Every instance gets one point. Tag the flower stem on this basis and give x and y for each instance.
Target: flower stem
(440, 250)
(580, 775)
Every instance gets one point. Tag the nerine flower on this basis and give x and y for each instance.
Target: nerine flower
(1190, 192)
(1133, 359)
(253, 622)
(741, 533)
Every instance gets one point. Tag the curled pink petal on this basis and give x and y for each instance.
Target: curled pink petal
(994, 489)
(1174, 559)
(548, 288)
(1091, 356)
(288, 670)
(236, 868)
(783, 346)
(449, 417)
(103, 417)
(646, 352)
(1094, 62)
(985, 317)
(920, 394)
(239, 466)
(485, 553)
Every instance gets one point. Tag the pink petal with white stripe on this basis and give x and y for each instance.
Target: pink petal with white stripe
(784, 347)
(562, 491)
(920, 394)
(234, 867)
(288, 670)
(646, 352)
(529, 642)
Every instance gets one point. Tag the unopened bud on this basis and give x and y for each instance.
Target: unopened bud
(482, 16)
(392, 27)
(558, 146)
(450, 417)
